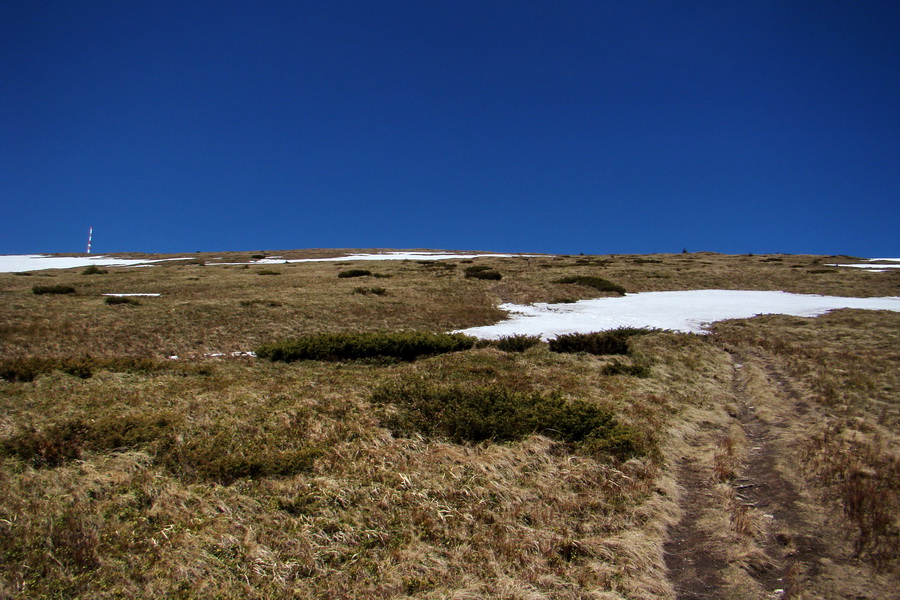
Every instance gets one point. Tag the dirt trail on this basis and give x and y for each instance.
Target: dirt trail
(789, 543)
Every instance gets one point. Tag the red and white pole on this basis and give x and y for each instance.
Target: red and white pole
(90, 235)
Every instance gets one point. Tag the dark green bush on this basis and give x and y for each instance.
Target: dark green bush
(621, 368)
(378, 291)
(53, 289)
(477, 414)
(403, 345)
(112, 300)
(516, 343)
(482, 272)
(257, 256)
(354, 273)
(597, 283)
(614, 341)
(93, 270)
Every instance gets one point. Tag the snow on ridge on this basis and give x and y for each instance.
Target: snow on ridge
(402, 255)
(687, 311)
(19, 263)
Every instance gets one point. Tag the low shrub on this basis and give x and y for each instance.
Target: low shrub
(498, 414)
(516, 343)
(112, 300)
(482, 272)
(53, 289)
(597, 283)
(354, 273)
(268, 272)
(378, 291)
(257, 256)
(622, 368)
(614, 341)
(402, 345)
(94, 270)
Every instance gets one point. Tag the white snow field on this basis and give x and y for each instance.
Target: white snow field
(19, 263)
(688, 311)
(275, 260)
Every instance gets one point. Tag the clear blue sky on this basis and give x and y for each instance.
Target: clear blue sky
(554, 126)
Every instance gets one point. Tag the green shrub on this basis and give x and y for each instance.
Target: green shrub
(614, 341)
(122, 300)
(597, 283)
(482, 272)
(93, 270)
(378, 291)
(354, 273)
(516, 343)
(268, 272)
(53, 289)
(494, 413)
(403, 345)
(257, 256)
(622, 368)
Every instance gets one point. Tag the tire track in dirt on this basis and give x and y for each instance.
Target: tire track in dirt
(789, 541)
(694, 556)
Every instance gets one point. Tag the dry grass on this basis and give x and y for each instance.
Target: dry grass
(146, 477)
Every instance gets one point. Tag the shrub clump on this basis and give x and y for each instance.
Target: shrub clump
(403, 345)
(622, 368)
(498, 414)
(93, 270)
(378, 291)
(597, 283)
(482, 272)
(112, 300)
(516, 343)
(53, 289)
(268, 272)
(354, 273)
(614, 341)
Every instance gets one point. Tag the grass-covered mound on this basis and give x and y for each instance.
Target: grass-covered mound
(472, 414)
(402, 345)
(598, 283)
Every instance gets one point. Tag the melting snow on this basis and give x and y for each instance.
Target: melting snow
(380, 256)
(123, 295)
(688, 311)
(19, 263)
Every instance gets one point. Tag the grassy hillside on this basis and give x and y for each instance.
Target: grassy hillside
(473, 472)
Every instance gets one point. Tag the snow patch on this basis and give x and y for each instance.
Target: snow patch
(20, 263)
(688, 311)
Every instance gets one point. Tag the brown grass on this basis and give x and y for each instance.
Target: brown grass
(240, 478)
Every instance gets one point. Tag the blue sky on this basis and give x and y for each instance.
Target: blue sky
(518, 126)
